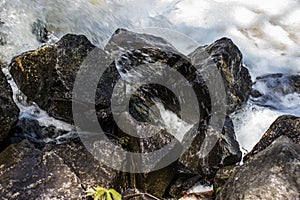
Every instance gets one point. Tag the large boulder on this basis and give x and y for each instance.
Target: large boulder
(224, 153)
(222, 177)
(8, 109)
(90, 171)
(28, 173)
(136, 53)
(227, 59)
(286, 125)
(46, 75)
(272, 173)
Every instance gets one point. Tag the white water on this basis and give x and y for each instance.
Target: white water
(267, 32)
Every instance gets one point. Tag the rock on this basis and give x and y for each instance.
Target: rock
(156, 181)
(228, 59)
(90, 171)
(28, 173)
(144, 53)
(29, 128)
(136, 53)
(46, 75)
(123, 40)
(286, 125)
(279, 91)
(273, 173)
(183, 181)
(39, 29)
(199, 196)
(3, 36)
(225, 152)
(8, 109)
(222, 177)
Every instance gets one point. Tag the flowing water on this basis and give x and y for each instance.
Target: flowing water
(267, 33)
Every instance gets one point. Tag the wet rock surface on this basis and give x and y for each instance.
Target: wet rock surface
(273, 173)
(46, 76)
(28, 173)
(8, 109)
(278, 91)
(89, 170)
(199, 196)
(183, 181)
(286, 125)
(225, 152)
(29, 128)
(227, 58)
(222, 177)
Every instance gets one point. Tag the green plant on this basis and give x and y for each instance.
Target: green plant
(100, 193)
(124, 140)
(218, 190)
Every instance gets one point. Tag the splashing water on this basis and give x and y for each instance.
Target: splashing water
(267, 32)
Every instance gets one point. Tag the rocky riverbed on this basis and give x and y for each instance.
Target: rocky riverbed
(42, 161)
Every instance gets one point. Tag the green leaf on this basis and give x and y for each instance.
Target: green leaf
(108, 196)
(116, 195)
(218, 190)
(90, 192)
(99, 194)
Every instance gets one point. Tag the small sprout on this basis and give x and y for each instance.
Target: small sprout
(100, 193)
(218, 190)
(124, 140)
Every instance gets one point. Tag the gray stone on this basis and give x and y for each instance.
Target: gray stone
(46, 75)
(224, 153)
(8, 109)
(285, 125)
(273, 173)
(90, 171)
(227, 59)
(28, 173)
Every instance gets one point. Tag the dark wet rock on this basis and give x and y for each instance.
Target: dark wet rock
(286, 125)
(3, 36)
(39, 29)
(90, 171)
(153, 55)
(29, 128)
(224, 153)
(123, 40)
(209, 195)
(156, 182)
(222, 177)
(183, 181)
(158, 179)
(228, 60)
(46, 75)
(273, 173)
(150, 54)
(28, 173)
(8, 109)
(280, 91)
